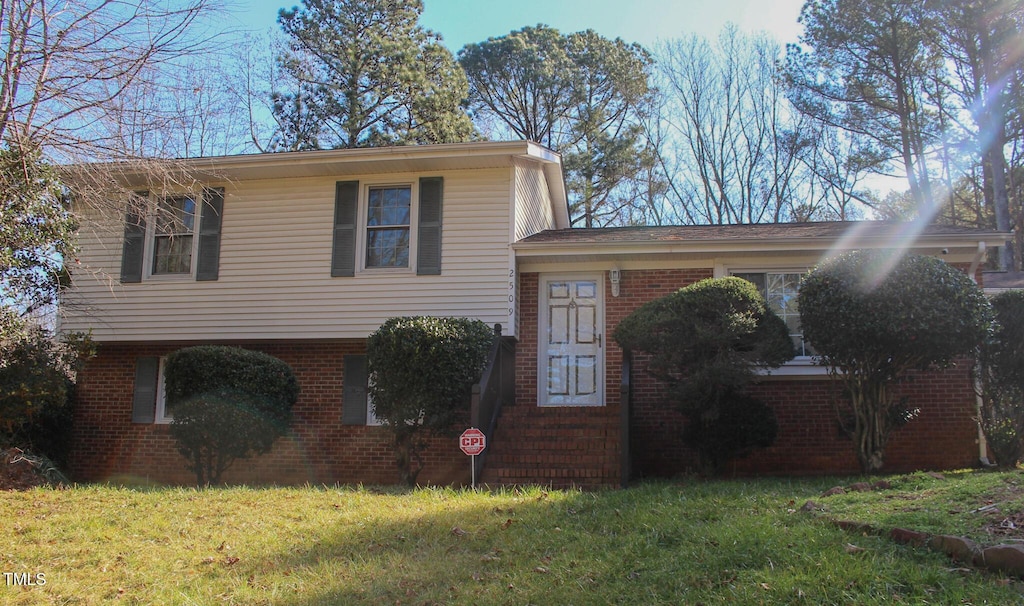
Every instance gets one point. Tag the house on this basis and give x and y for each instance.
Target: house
(302, 255)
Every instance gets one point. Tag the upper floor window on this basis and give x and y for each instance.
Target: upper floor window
(173, 235)
(383, 227)
(388, 226)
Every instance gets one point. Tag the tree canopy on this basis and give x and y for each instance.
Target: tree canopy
(36, 236)
(930, 86)
(365, 73)
(580, 94)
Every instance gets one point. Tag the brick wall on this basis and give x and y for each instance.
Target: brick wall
(107, 445)
(809, 442)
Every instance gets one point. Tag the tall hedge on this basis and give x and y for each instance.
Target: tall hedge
(422, 369)
(872, 316)
(227, 403)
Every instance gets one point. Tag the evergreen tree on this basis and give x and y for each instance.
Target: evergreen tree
(579, 94)
(365, 73)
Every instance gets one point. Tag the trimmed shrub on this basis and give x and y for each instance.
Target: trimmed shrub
(1001, 377)
(202, 369)
(421, 371)
(227, 403)
(216, 428)
(707, 342)
(872, 316)
(735, 428)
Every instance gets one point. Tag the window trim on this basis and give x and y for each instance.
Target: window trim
(363, 209)
(149, 245)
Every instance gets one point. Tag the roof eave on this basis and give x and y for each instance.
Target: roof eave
(734, 245)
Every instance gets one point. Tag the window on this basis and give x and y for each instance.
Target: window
(173, 235)
(780, 291)
(371, 417)
(388, 222)
(382, 227)
(164, 413)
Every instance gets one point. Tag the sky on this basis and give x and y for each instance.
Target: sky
(645, 21)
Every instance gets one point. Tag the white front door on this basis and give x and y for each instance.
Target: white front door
(570, 349)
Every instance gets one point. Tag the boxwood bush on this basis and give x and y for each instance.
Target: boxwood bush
(422, 369)
(227, 403)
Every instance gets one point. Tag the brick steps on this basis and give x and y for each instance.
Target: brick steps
(560, 447)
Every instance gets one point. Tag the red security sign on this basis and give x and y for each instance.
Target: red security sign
(472, 441)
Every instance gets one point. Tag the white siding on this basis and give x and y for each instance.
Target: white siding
(533, 201)
(275, 270)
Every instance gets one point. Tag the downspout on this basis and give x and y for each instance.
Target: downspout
(982, 443)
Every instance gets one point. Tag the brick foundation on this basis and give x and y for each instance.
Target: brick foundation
(107, 445)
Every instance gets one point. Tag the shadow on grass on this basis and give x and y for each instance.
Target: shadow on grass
(736, 542)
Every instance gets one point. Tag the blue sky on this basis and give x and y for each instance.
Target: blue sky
(645, 21)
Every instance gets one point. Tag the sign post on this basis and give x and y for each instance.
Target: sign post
(473, 442)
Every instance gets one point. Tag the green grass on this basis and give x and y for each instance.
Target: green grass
(691, 542)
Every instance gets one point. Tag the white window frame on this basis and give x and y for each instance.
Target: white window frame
(371, 417)
(363, 227)
(799, 365)
(149, 252)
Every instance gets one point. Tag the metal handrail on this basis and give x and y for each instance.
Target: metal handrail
(496, 386)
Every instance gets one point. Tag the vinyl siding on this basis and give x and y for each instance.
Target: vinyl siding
(533, 207)
(275, 270)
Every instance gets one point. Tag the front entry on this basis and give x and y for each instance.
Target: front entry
(571, 348)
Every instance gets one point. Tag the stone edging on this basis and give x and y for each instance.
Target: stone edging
(1006, 558)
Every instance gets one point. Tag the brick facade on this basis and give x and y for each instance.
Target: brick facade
(563, 445)
(107, 445)
(558, 446)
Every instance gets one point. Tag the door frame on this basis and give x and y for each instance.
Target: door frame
(542, 331)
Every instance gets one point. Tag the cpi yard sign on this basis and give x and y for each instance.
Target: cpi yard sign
(472, 442)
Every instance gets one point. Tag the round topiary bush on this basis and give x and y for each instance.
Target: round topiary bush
(214, 368)
(227, 403)
(706, 343)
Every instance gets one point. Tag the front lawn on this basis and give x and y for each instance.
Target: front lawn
(735, 542)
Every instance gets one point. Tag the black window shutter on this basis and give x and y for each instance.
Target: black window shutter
(353, 404)
(428, 256)
(147, 370)
(208, 265)
(134, 249)
(343, 252)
